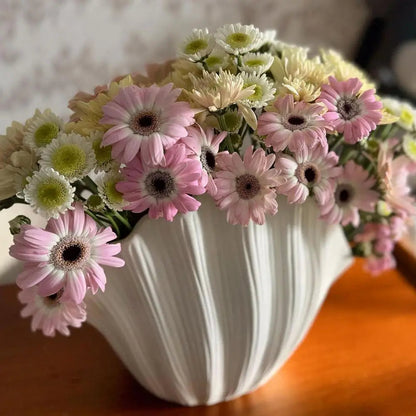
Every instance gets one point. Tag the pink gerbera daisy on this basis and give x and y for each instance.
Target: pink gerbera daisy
(352, 192)
(309, 170)
(394, 174)
(205, 145)
(245, 188)
(349, 112)
(293, 124)
(147, 119)
(51, 313)
(65, 255)
(163, 188)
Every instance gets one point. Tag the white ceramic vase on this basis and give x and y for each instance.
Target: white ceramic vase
(204, 311)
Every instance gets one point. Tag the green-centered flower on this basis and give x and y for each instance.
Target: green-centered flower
(217, 59)
(257, 63)
(197, 45)
(41, 129)
(95, 203)
(263, 90)
(403, 110)
(112, 198)
(409, 145)
(238, 39)
(71, 155)
(104, 161)
(49, 193)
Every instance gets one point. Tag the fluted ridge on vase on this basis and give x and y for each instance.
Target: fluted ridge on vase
(205, 311)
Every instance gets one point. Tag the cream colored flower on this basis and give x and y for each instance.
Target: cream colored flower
(343, 70)
(299, 75)
(214, 92)
(89, 113)
(182, 69)
(409, 145)
(403, 110)
(17, 161)
(217, 91)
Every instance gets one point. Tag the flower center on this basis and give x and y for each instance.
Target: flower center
(51, 193)
(70, 253)
(45, 133)
(308, 174)
(238, 40)
(160, 184)
(207, 159)
(247, 186)
(195, 46)
(102, 154)
(295, 122)
(53, 299)
(213, 61)
(348, 107)
(144, 123)
(69, 160)
(344, 194)
(254, 62)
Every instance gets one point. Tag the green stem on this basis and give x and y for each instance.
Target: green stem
(227, 140)
(90, 184)
(123, 220)
(113, 224)
(337, 143)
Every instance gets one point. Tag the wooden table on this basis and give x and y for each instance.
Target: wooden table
(358, 359)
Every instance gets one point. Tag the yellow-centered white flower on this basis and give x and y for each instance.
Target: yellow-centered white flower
(71, 155)
(49, 193)
(256, 62)
(238, 39)
(41, 129)
(263, 90)
(197, 45)
(106, 184)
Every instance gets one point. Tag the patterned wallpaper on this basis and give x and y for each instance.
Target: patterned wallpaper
(51, 49)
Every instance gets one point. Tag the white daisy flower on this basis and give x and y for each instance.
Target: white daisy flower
(263, 89)
(197, 45)
(41, 129)
(238, 39)
(49, 193)
(409, 145)
(71, 155)
(256, 62)
(106, 184)
(217, 59)
(103, 160)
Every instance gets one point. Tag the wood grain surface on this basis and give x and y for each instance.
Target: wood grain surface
(359, 358)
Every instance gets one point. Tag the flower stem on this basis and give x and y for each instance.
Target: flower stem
(123, 220)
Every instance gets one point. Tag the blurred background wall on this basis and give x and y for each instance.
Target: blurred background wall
(51, 49)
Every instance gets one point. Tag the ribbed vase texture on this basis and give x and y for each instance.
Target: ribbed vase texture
(205, 311)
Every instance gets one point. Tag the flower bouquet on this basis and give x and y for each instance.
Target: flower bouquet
(223, 283)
